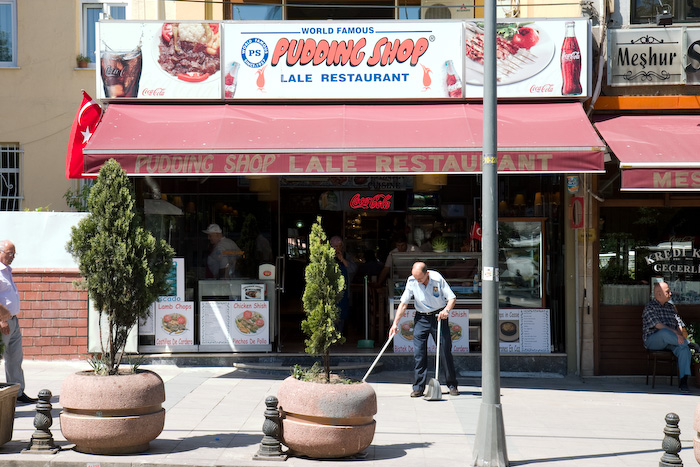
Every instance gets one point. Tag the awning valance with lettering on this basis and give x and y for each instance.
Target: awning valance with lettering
(656, 152)
(340, 139)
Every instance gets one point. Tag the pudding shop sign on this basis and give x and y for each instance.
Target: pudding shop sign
(290, 60)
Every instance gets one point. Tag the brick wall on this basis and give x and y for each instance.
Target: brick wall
(54, 314)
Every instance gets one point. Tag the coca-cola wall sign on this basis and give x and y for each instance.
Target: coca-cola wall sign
(646, 57)
(433, 60)
(370, 201)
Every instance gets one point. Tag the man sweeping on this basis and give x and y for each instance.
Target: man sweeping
(433, 299)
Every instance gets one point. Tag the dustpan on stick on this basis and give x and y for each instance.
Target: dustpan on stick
(434, 392)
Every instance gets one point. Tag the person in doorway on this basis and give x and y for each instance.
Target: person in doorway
(371, 268)
(221, 262)
(402, 246)
(9, 324)
(660, 330)
(348, 268)
(433, 300)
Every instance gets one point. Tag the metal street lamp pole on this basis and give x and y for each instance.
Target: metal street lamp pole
(490, 442)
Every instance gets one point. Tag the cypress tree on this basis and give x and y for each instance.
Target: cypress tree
(123, 266)
(324, 289)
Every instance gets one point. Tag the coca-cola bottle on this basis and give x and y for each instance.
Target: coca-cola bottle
(231, 80)
(453, 81)
(570, 63)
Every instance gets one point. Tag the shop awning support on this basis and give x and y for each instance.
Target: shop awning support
(490, 442)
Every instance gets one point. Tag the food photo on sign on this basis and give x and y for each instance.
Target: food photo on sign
(457, 323)
(174, 324)
(160, 60)
(538, 58)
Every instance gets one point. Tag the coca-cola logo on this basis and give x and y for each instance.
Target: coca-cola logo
(380, 202)
(154, 92)
(541, 88)
(575, 55)
(112, 71)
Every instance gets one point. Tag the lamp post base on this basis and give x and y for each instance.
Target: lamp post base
(490, 442)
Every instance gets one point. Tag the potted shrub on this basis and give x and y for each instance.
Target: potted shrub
(8, 403)
(124, 268)
(324, 416)
(82, 61)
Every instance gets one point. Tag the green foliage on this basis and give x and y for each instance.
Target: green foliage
(440, 244)
(99, 364)
(124, 266)
(324, 289)
(78, 199)
(81, 58)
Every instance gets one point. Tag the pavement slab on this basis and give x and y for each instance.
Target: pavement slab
(214, 417)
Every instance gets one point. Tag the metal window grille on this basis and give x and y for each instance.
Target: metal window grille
(10, 192)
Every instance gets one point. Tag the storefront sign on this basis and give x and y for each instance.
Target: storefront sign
(369, 60)
(675, 260)
(467, 162)
(292, 60)
(645, 57)
(692, 53)
(174, 324)
(237, 325)
(661, 179)
(524, 331)
(458, 323)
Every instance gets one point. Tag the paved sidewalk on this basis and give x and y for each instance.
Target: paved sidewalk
(215, 416)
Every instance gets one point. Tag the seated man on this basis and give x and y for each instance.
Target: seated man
(660, 331)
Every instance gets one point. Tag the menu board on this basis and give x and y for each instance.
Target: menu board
(458, 323)
(174, 324)
(524, 331)
(235, 325)
(175, 293)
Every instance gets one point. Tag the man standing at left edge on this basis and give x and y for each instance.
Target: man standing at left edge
(9, 324)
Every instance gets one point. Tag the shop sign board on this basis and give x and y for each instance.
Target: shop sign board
(332, 60)
(234, 325)
(675, 258)
(290, 60)
(458, 323)
(692, 55)
(174, 324)
(646, 57)
(334, 163)
(524, 330)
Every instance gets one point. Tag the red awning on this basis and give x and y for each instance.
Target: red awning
(656, 152)
(333, 139)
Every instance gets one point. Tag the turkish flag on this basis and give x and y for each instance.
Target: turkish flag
(84, 125)
(476, 231)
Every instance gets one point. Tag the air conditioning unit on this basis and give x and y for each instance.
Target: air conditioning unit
(447, 9)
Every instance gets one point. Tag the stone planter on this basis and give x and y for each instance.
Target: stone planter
(8, 402)
(326, 420)
(696, 430)
(117, 414)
